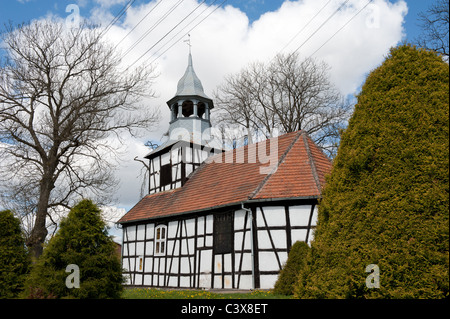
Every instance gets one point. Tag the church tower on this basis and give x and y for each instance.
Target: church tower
(172, 162)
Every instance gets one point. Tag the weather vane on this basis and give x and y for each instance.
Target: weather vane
(188, 41)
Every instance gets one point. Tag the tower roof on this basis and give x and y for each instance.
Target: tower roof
(190, 84)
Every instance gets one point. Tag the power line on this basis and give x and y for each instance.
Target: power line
(140, 21)
(152, 27)
(186, 33)
(165, 35)
(118, 16)
(303, 28)
(328, 19)
(368, 2)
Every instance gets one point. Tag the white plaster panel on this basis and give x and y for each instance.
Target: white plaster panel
(200, 242)
(201, 225)
(268, 281)
(245, 281)
(299, 215)
(131, 233)
(140, 232)
(131, 249)
(268, 261)
(209, 240)
(165, 158)
(246, 261)
(275, 215)
(147, 280)
(172, 229)
(190, 227)
(185, 281)
(205, 260)
(173, 264)
(185, 265)
(278, 238)
(140, 248)
(209, 224)
(239, 219)
(148, 264)
(150, 231)
(314, 216)
(298, 235)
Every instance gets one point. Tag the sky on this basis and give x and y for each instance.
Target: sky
(226, 35)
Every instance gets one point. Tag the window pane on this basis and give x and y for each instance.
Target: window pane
(163, 234)
(157, 248)
(162, 247)
(158, 233)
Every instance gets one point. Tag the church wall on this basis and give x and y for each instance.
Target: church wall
(192, 259)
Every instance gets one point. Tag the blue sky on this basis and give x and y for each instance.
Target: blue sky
(19, 11)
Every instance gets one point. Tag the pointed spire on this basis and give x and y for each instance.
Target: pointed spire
(190, 84)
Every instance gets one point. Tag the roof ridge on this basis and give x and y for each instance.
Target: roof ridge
(311, 161)
(280, 161)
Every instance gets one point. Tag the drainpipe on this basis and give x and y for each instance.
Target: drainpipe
(251, 243)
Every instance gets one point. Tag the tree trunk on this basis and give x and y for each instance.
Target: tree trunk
(37, 237)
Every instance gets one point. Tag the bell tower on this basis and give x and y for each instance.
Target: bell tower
(171, 163)
(190, 108)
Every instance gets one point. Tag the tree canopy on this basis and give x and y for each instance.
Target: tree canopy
(81, 240)
(14, 258)
(386, 201)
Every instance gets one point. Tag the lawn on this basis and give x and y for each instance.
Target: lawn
(152, 293)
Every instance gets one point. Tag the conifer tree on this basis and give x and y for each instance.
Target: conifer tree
(14, 257)
(288, 275)
(386, 201)
(82, 240)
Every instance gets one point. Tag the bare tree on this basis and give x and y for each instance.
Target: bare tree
(435, 25)
(64, 101)
(287, 95)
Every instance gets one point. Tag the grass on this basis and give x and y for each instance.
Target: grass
(152, 293)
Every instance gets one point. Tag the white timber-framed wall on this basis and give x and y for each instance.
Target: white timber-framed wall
(213, 249)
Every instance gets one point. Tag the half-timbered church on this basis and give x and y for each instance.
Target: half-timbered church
(216, 219)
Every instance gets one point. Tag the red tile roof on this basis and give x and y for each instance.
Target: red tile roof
(294, 167)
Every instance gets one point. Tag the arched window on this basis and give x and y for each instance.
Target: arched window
(188, 108)
(160, 240)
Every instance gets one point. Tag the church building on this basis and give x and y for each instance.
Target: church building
(220, 219)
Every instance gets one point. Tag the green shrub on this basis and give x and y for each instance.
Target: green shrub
(81, 240)
(295, 262)
(14, 258)
(386, 201)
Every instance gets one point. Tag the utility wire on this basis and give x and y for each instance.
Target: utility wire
(167, 33)
(368, 2)
(296, 35)
(152, 27)
(150, 11)
(328, 19)
(118, 16)
(186, 33)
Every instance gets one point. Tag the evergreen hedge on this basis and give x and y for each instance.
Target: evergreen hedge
(386, 201)
(81, 240)
(14, 258)
(288, 275)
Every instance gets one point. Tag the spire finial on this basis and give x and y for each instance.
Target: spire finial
(188, 41)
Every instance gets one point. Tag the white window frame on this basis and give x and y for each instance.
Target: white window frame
(160, 240)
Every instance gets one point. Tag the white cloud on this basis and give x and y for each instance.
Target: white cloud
(225, 42)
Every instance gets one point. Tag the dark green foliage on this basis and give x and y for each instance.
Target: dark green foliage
(82, 240)
(294, 264)
(386, 201)
(14, 258)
